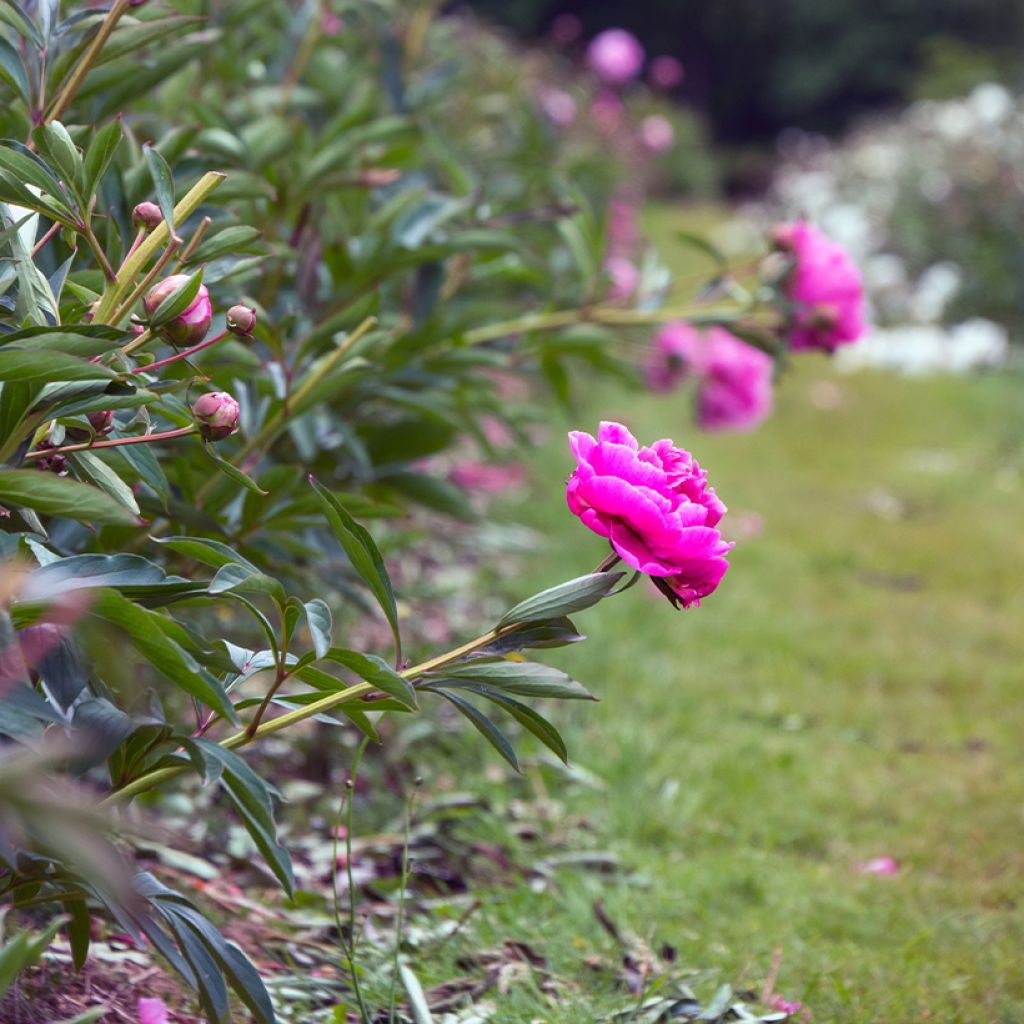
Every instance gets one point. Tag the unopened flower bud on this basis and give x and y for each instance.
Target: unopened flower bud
(241, 320)
(216, 415)
(188, 327)
(51, 463)
(101, 422)
(147, 215)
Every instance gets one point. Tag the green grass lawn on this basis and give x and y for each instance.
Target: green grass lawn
(851, 691)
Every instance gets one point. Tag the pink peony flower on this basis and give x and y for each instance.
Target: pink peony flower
(566, 29)
(487, 478)
(559, 107)
(655, 507)
(216, 415)
(624, 277)
(623, 231)
(189, 327)
(879, 866)
(676, 352)
(667, 72)
(607, 111)
(331, 24)
(735, 389)
(657, 133)
(152, 1011)
(787, 1006)
(826, 287)
(615, 56)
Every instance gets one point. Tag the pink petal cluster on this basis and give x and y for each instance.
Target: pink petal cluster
(655, 507)
(676, 352)
(487, 478)
(734, 379)
(826, 287)
(667, 72)
(879, 866)
(559, 107)
(152, 1011)
(607, 111)
(657, 133)
(615, 56)
(735, 388)
(787, 1006)
(624, 277)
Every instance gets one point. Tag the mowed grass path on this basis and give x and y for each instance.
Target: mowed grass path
(853, 690)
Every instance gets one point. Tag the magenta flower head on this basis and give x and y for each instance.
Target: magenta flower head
(676, 353)
(735, 389)
(147, 215)
(667, 72)
(825, 287)
(152, 1011)
(624, 277)
(615, 56)
(101, 422)
(188, 327)
(657, 133)
(216, 415)
(655, 507)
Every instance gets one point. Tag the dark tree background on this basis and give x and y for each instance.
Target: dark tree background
(756, 66)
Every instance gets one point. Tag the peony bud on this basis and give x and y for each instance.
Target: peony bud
(216, 415)
(101, 422)
(241, 320)
(189, 327)
(147, 215)
(50, 463)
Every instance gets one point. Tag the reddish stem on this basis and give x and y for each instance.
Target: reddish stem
(185, 353)
(113, 442)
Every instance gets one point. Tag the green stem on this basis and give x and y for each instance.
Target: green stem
(333, 700)
(277, 423)
(140, 289)
(97, 251)
(74, 81)
(132, 266)
(113, 442)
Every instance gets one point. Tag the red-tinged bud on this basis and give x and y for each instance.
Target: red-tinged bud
(147, 215)
(189, 327)
(241, 320)
(50, 463)
(101, 422)
(216, 415)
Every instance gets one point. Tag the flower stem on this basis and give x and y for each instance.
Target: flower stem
(131, 267)
(74, 81)
(333, 700)
(113, 442)
(97, 251)
(186, 353)
(50, 232)
(165, 257)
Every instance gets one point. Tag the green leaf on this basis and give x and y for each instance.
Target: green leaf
(78, 929)
(318, 617)
(525, 678)
(56, 145)
(362, 552)
(529, 720)
(203, 549)
(28, 168)
(133, 575)
(246, 580)
(484, 726)
(551, 633)
(164, 184)
(378, 672)
(12, 71)
(26, 365)
(75, 339)
(97, 472)
(160, 651)
(11, 12)
(59, 496)
(178, 301)
(566, 598)
(227, 241)
(232, 472)
(101, 152)
(417, 1000)
(250, 797)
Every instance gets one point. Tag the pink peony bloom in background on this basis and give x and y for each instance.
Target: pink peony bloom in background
(623, 230)
(655, 507)
(624, 277)
(667, 72)
(152, 1011)
(657, 133)
(787, 1006)
(487, 478)
(615, 56)
(607, 111)
(826, 287)
(331, 24)
(566, 29)
(559, 107)
(675, 354)
(879, 866)
(735, 389)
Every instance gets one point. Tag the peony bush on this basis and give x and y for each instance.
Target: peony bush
(259, 277)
